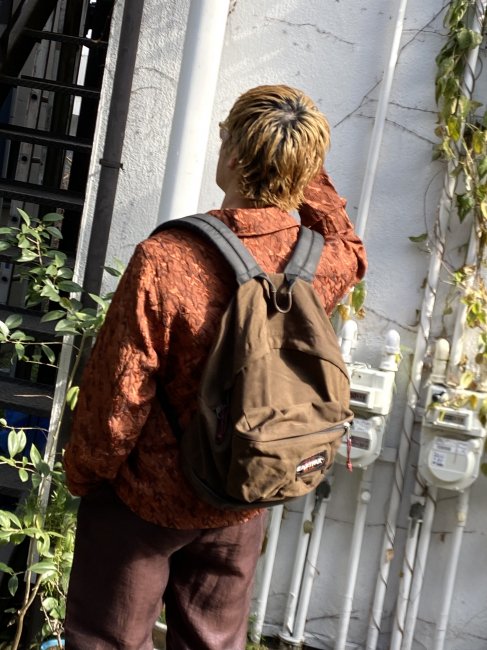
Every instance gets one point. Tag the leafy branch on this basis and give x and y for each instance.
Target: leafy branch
(462, 129)
(49, 523)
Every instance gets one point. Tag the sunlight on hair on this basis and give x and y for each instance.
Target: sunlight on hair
(280, 138)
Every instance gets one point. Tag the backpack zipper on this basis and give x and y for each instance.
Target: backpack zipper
(221, 412)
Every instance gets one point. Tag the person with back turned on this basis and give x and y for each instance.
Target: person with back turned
(143, 534)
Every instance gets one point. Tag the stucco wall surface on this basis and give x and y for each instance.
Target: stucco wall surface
(337, 52)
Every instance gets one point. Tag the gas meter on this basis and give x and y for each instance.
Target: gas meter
(365, 441)
(452, 437)
(371, 390)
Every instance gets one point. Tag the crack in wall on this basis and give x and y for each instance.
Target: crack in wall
(324, 32)
(422, 30)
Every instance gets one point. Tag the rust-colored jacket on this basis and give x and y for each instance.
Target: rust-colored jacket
(159, 329)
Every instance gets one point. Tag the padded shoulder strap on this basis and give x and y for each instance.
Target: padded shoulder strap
(227, 242)
(305, 257)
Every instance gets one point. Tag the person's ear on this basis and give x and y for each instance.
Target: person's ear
(232, 160)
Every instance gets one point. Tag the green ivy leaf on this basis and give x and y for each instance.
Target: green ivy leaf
(13, 321)
(4, 568)
(48, 291)
(24, 216)
(55, 314)
(51, 357)
(67, 285)
(4, 519)
(16, 442)
(465, 203)
(44, 567)
(19, 350)
(27, 256)
(482, 166)
(417, 239)
(358, 296)
(65, 327)
(52, 216)
(72, 397)
(4, 245)
(54, 232)
(13, 585)
(49, 603)
(35, 456)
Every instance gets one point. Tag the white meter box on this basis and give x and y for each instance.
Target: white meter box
(371, 390)
(454, 410)
(452, 438)
(366, 441)
(449, 462)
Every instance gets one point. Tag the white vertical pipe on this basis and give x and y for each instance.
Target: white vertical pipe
(405, 584)
(451, 570)
(419, 569)
(309, 573)
(203, 44)
(429, 299)
(298, 566)
(379, 124)
(260, 606)
(354, 557)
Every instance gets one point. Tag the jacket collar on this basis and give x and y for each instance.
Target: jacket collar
(256, 221)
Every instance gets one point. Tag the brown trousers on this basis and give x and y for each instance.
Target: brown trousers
(124, 567)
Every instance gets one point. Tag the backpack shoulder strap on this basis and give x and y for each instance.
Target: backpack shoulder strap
(305, 257)
(227, 242)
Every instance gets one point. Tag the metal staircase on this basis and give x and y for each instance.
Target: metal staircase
(52, 57)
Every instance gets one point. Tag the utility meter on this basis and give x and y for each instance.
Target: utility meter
(371, 390)
(365, 441)
(452, 437)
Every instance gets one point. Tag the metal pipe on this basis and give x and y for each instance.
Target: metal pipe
(190, 129)
(354, 557)
(419, 569)
(258, 613)
(405, 581)
(309, 573)
(111, 162)
(451, 572)
(298, 566)
(379, 124)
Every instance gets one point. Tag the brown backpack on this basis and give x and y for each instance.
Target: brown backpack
(274, 396)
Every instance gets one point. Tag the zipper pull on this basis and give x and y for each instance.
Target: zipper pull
(349, 448)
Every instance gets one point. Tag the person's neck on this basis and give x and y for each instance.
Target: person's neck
(234, 200)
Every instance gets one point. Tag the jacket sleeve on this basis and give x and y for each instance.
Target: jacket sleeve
(119, 381)
(344, 260)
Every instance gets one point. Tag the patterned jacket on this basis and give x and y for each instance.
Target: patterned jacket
(160, 328)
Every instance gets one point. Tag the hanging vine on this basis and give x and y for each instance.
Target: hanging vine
(462, 129)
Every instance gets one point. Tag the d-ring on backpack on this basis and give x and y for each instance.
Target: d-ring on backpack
(273, 403)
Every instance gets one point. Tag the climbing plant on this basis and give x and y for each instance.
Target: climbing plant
(462, 130)
(46, 516)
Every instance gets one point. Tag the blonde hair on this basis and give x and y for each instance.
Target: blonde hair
(280, 139)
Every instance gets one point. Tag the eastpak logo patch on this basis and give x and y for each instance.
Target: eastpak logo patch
(312, 464)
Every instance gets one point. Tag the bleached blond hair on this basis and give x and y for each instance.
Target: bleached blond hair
(280, 139)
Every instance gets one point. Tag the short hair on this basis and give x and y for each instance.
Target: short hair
(280, 138)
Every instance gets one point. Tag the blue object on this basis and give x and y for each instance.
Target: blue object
(51, 643)
(18, 420)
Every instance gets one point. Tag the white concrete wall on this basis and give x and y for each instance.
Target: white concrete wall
(336, 52)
